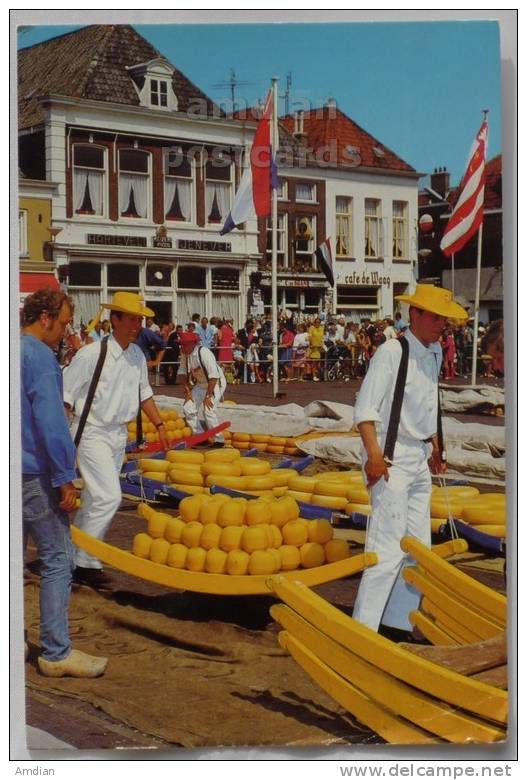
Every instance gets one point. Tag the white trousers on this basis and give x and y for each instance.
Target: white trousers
(400, 507)
(99, 458)
(197, 415)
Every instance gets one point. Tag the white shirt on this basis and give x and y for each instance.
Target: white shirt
(390, 332)
(155, 328)
(192, 365)
(116, 399)
(419, 408)
(340, 332)
(301, 341)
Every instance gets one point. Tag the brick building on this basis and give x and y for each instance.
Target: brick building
(437, 201)
(144, 167)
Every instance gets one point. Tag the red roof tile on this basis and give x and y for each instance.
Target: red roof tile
(328, 126)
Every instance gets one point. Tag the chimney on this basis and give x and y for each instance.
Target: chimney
(331, 105)
(440, 181)
(299, 133)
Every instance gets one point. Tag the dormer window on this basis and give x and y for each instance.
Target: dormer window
(153, 83)
(159, 93)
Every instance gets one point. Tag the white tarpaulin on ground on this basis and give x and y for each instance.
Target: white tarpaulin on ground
(459, 399)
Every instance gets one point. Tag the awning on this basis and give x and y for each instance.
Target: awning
(30, 283)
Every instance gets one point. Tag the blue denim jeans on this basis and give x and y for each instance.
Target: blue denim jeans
(49, 527)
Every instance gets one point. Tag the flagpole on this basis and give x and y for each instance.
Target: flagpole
(476, 307)
(453, 286)
(274, 244)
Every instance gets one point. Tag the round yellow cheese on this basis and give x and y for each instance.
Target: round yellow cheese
(185, 456)
(364, 509)
(291, 451)
(157, 523)
(278, 441)
(189, 508)
(336, 550)
(277, 559)
(241, 445)
(456, 491)
(279, 492)
(358, 494)
(259, 483)
(320, 531)
(225, 455)
(144, 510)
(231, 513)
(254, 538)
(275, 536)
(281, 477)
(291, 506)
(312, 554)
(302, 484)
(216, 561)
(234, 483)
(159, 551)
(141, 545)
(331, 502)
(191, 534)
(208, 512)
(174, 529)
(298, 495)
(210, 536)
(237, 562)
(257, 512)
(158, 476)
(262, 562)
(490, 515)
(231, 469)
(295, 533)
(237, 436)
(154, 464)
(231, 537)
(177, 556)
(260, 438)
(185, 477)
(436, 523)
(493, 530)
(254, 467)
(440, 507)
(196, 557)
(273, 448)
(279, 512)
(329, 488)
(191, 490)
(289, 557)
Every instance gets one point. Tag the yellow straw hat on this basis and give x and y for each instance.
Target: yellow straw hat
(434, 299)
(127, 302)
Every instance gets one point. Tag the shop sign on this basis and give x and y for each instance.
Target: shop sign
(161, 239)
(207, 246)
(366, 279)
(115, 240)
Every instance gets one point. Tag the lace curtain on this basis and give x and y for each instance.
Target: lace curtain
(226, 306)
(86, 304)
(184, 191)
(139, 185)
(94, 180)
(222, 190)
(187, 304)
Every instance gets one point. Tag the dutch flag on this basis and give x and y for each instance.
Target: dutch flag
(254, 193)
(325, 260)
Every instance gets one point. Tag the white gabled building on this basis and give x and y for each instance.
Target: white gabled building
(370, 205)
(145, 167)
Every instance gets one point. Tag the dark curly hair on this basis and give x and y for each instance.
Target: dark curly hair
(46, 301)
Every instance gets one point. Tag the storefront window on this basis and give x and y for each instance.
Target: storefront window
(121, 275)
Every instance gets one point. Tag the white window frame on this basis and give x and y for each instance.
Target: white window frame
(23, 248)
(344, 217)
(305, 254)
(282, 190)
(230, 183)
(313, 186)
(373, 226)
(400, 231)
(281, 232)
(158, 82)
(148, 217)
(74, 167)
(192, 179)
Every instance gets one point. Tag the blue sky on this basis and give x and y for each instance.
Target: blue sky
(417, 87)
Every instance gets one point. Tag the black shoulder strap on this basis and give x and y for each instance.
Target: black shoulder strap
(201, 364)
(440, 440)
(139, 423)
(398, 395)
(91, 391)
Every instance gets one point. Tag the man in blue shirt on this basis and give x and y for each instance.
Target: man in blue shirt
(206, 333)
(152, 345)
(48, 471)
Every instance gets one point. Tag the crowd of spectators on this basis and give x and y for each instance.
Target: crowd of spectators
(308, 346)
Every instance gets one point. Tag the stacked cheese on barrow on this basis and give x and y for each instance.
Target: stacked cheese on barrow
(195, 472)
(276, 445)
(484, 511)
(222, 535)
(176, 427)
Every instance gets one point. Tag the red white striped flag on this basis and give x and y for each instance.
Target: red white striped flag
(468, 212)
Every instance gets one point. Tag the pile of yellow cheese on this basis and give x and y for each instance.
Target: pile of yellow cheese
(339, 490)
(176, 427)
(194, 472)
(277, 445)
(487, 512)
(222, 535)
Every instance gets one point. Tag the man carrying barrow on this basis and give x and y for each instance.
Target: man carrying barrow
(398, 417)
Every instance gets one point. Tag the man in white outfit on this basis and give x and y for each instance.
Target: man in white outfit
(204, 386)
(123, 386)
(401, 488)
